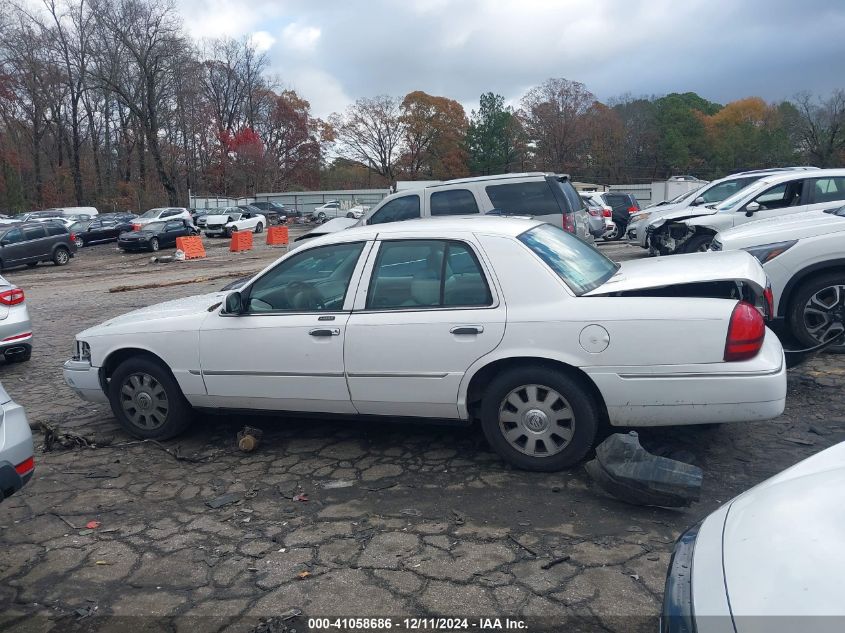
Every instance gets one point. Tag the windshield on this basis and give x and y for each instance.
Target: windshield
(155, 227)
(234, 217)
(581, 266)
(152, 213)
(729, 203)
(684, 196)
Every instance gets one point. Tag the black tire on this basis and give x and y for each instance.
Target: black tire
(619, 232)
(698, 243)
(178, 414)
(79, 242)
(612, 235)
(321, 217)
(795, 315)
(259, 228)
(61, 256)
(583, 406)
(229, 231)
(154, 245)
(32, 265)
(350, 215)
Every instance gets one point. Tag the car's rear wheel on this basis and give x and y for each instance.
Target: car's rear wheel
(698, 244)
(538, 418)
(321, 217)
(617, 232)
(147, 401)
(259, 228)
(61, 256)
(817, 311)
(79, 242)
(154, 245)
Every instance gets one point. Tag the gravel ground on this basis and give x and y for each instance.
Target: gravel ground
(400, 520)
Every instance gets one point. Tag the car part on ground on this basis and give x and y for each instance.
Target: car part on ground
(16, 449)
(630, 473)
(361, 317)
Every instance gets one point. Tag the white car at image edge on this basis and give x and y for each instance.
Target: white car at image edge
(804, 257)
(768, 561)
(16, 449)
(510, 321)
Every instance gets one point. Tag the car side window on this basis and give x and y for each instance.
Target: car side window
(314, 280)
(411, 274)
(453, 202)
(786, 194)
(529, 198)
(34, 232)
(54, 228)
(15, 236)
(402, 208)
(174, 225)
(827, 190)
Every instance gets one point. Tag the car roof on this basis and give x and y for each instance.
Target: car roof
(779, 177)
(527, 174)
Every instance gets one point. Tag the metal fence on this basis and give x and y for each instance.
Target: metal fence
(304, 201)
(643, 193)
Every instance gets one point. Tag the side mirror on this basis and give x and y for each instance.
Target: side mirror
(751, 208)
(235, 303)
(699, 200)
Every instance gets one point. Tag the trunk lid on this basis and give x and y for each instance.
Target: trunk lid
(682, 270)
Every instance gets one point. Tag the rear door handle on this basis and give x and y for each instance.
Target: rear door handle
(467, 329)
(335, 331)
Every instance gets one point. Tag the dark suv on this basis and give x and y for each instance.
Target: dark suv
(32, 242)
(624, 205)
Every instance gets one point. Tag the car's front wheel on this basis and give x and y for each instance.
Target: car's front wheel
(154, 245)
(147, 401)
(698, 244)
(538, 418)
(259, 228)
(817, 311)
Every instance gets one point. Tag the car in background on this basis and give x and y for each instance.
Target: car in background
(240, 220)
(29, 243)
(596, 206)
(357, 212)
(711, 193)
(99, 230)
(275, 212)
(439, 318)
(330, 209)
(156, 235)
(767, 560)
(785, 193)
(623, 206)
(804, 257)
(17, 452)
(77, 211)
(162, 213)
(15, 326)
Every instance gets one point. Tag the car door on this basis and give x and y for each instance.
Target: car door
(784, 198)
(13, 249)
(285, 352)
(37, 244)
(825, 193)
(94, 232)
(172, 230)
(426, 310)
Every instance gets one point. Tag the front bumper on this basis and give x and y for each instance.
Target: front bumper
(215, 231)
(84, 380)
(135, 245)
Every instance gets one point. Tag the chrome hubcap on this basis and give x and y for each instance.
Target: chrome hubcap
(144, 401)
(824, 314)
(536, 420)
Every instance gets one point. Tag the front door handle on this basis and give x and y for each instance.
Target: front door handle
(467, 329)
(335, 331)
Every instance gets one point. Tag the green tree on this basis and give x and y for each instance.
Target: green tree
(682, 143)
(495, 138)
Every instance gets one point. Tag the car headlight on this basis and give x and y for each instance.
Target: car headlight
(82, 351)
(767, 252)
(639, 217)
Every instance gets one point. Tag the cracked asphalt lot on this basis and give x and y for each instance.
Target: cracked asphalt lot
(416, 520)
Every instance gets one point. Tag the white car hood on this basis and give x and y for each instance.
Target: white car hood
(681, 213)
(196, 305)
(782, 228)
(660, 272)
(333, 226)
(782, 545)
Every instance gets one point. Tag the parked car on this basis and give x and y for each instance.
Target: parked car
(15, 326)
(712, 193)
(33, 242)
(623, 206)
(17, 453)
(156, 235)
(357, 212)
(330, 209)
(787, 193)
(77, 211)
(163, 213)
(457, 319)
(225, 225)
(596, 206)
(199, 216)
(766, 560)
(804, 258)
(100, 230)
(275, 212)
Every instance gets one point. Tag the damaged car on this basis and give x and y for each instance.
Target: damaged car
(511, 322)
(689, 230)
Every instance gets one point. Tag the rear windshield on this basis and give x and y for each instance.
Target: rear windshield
(580, 266)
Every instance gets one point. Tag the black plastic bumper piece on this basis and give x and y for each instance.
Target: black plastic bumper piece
(677, 615)
(10, 480)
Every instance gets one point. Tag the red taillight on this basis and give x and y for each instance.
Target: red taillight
(607, 212)
(569, 223)
(770, 301)
(25, 466)
(746, 332)
(73, 237)
(633, 209)
(593, 212)
(136, 227)
(12, 297)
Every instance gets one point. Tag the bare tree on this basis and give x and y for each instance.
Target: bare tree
(820, 127)
(370, 132)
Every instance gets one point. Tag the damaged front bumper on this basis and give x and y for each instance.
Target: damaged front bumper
(84, 380)
(669, 238)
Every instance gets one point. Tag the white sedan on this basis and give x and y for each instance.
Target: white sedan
(804, 258)
(509, 321)
(229, 223)
(768, 561)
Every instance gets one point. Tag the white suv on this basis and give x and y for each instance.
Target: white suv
(547, 197)
(692, 229)
(163, 213)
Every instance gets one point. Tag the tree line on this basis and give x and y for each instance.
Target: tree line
(110, 103)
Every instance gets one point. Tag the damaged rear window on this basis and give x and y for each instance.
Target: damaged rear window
(580, 266)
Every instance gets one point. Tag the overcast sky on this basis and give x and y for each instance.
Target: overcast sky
(335, 51)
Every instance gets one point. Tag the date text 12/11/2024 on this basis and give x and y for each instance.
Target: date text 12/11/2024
(400, 625)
